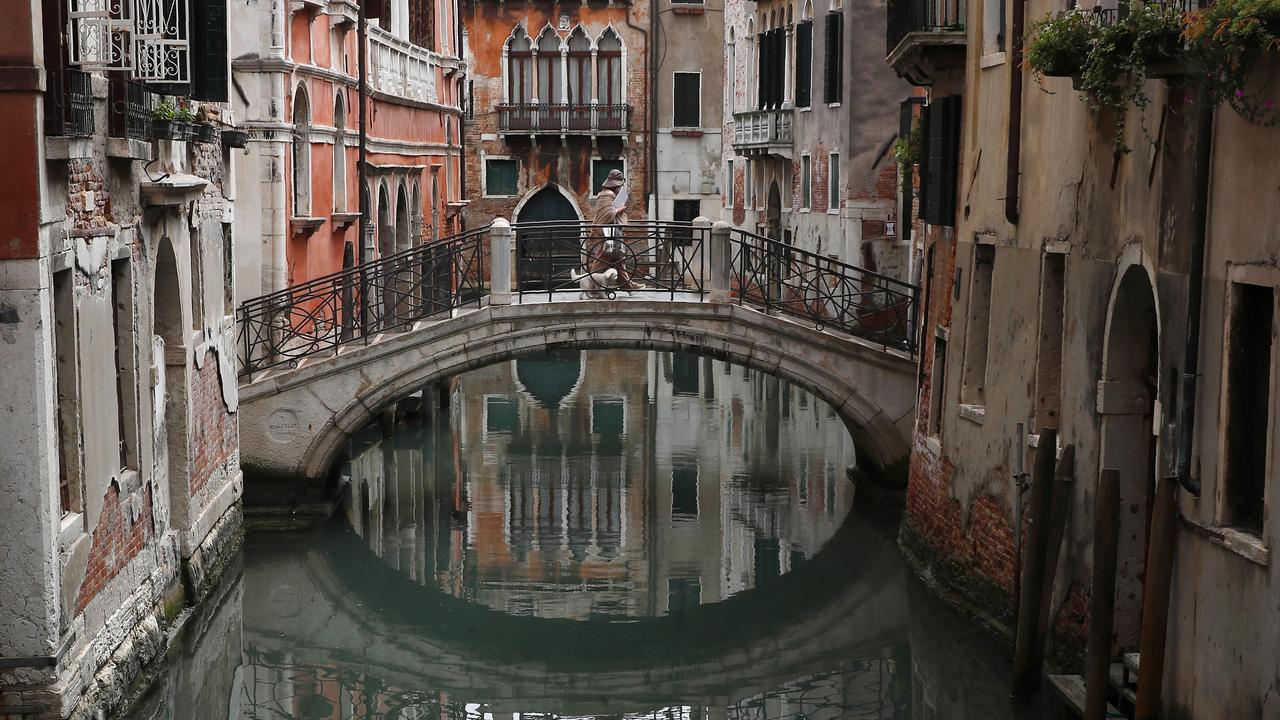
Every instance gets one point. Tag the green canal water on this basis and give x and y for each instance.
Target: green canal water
(620, 534)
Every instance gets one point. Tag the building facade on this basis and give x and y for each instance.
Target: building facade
(120, 482)
(809, 128)
(297, 65)
(689, 65)
(1061, 289)
(559, 96)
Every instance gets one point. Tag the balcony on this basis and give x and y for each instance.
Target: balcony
(563, 119)
(68, 110)
(398, 69)
(925, 37)
(763, 132)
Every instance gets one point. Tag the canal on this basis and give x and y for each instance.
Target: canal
(600, 533)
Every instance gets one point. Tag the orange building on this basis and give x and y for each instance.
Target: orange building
(296, 68)
(559, 97)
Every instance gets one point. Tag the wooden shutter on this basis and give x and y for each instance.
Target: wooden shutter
(940, 161)
(422, 23)
(209, 51)
(833, 55)
(377, 9)
(804, 64)
(687, 100)
(762, 69)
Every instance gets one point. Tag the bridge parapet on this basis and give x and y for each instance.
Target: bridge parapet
(537, 262)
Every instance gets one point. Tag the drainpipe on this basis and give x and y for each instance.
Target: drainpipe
(651, 90)
(1013, 153)
(1195, 270)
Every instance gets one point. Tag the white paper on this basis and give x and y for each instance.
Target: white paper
(621, 200)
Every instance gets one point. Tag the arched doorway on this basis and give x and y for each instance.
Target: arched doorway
(386, 246)
(773, 212)
(1127, 395)
(169, 368)
(546, 256)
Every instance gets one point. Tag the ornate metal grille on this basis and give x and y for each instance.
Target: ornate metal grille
(99, 34)
(131, 105)
(384, 295)
(660, 256)
(824, 291)
(161, 41)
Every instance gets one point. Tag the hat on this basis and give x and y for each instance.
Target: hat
(614, 180)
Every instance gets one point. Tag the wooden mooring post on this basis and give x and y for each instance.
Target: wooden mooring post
(1155, 599)
(1026, 662)
(1106, 540)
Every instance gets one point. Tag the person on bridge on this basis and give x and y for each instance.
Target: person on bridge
(605, 247)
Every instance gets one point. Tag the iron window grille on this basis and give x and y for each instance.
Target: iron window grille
(131, 106)
(69, 104)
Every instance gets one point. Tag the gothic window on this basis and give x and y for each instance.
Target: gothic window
(548, 67)
(301, 153)
(339, 155)
(519, 68)
(422, 22)
(609, 68)
(579, 68)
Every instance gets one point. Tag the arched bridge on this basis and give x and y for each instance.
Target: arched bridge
(319, 360)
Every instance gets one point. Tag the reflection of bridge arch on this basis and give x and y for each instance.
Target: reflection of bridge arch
(342, 608)
(295, 423)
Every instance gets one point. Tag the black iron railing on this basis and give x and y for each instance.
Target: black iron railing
(388, 294)
(131, 105)
(646, 255)
(68, 110)
(830, 294)
(908, 16)
(563, 118)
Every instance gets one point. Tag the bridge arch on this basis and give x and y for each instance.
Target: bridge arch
(295, 423)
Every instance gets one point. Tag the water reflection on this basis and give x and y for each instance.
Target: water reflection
(613, 484)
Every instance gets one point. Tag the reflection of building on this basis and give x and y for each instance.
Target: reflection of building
(605, 483)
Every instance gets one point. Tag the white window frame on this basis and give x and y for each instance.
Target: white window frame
(834, 196)
(592, 177)
(674, 73)
(729, 194)
(607, 397)
(484, 175)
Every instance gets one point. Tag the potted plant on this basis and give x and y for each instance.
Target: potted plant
(164, 123)
(206, 132)
(1225, 42)
(185, 119)
(233, 138)
(1157, 40)
(1059, 44)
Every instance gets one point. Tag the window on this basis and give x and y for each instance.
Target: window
(422, 23)
(1049, 355)
(500, 176)
(519, 68)
(1247, 405)
(608, 416)
(683, 593)
(684, 211)
(228, 272)
(684, 374)
(993, 30)
(548, 67)
(833, 69)
(579, 64)
(126, 367)
(731, 72)
(748, 182)
(501, 414)
(687, 104)
(609, 69)
(339, 155)
(806, 178)
(804, 64)
(600, 168)
(939, 163)
(684, 490)
(729, 182)
(772, 64)
(68, 386)
(937, 384)
(833, 184)
(768, 560)
(973, 376)
(301, 153)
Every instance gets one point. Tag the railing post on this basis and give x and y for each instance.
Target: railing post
(720, 256)
(500, 254)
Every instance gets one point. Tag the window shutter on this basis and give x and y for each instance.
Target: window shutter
(422, 23)
(209, 51)
(940, 161)
(926, 135)
(804, 64)
(379, 9)
(686, 111)
(780, 67)
(832, 54)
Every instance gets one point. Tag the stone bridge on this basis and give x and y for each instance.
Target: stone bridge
(295, 416)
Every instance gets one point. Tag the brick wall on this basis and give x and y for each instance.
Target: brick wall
(86, 213)
(117, 539)
(213, 430)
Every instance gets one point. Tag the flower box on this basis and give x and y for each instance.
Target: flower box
(206, 133)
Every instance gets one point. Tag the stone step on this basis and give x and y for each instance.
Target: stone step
(1131, 662)
(1125, 685)
(1070, 688)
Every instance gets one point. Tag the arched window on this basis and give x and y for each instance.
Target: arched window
(548, 67)
(519, 68)
(750, 75)
(579, 68)
(301, 153)
(731, 73)
(609, 68)
(339, 154)
(403, 239)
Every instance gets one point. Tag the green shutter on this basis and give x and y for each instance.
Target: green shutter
(600, 170)
(209, 72)
(804, 64)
